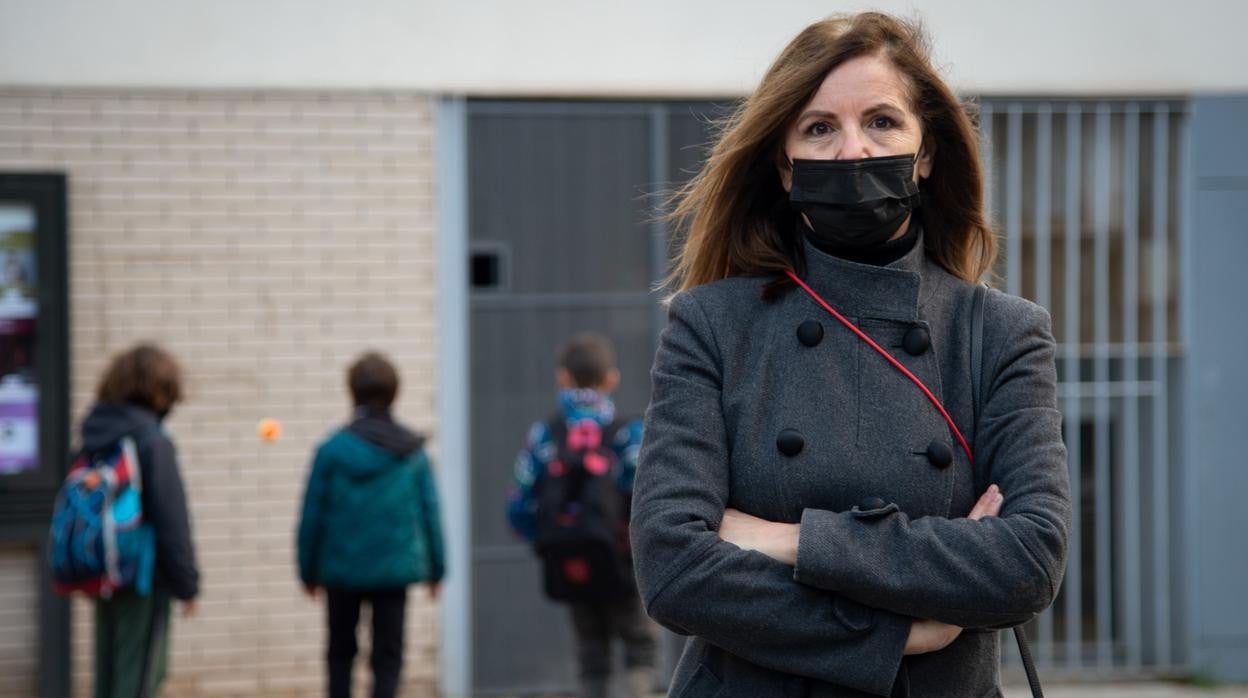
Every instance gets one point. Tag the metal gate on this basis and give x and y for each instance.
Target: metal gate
(563, 237)
(1087, 195)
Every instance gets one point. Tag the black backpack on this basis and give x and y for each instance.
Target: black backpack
(582, 516)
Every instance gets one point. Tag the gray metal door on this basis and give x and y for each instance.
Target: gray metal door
(563, 237)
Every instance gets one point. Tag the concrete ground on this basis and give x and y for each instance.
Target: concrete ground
(1128, 690)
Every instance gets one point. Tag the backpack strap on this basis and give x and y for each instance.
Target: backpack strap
(558, 430)
(130, 448)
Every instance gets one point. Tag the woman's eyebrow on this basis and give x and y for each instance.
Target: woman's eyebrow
(816, 112)
(881, 106)
(825, 114)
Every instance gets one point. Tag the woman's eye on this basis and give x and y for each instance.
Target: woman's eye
(882, 122)
(819, 128)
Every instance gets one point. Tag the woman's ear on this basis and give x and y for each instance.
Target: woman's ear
(923, 168)
(785, 169)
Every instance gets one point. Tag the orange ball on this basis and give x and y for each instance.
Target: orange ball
(269, 429)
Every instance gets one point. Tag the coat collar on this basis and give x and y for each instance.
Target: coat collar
(891, 292)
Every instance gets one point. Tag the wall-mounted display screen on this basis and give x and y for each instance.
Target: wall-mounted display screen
(19, 389)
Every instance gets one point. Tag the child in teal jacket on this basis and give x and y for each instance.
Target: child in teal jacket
(370, 527)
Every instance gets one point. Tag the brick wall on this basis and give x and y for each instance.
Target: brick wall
(266, 239)
(19, 619)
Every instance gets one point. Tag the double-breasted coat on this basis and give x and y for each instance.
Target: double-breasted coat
(774, 408)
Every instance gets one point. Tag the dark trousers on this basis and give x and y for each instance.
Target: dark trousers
(131, 644)
(595, 625)
(389, 607)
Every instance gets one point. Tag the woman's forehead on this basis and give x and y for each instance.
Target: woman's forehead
(861, 84)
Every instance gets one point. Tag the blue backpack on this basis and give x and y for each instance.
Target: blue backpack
(99, 543)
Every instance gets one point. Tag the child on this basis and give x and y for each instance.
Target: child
(585, 445)
(370, 527)
(137, 392)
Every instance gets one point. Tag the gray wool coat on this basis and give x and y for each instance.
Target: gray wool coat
(749, 412)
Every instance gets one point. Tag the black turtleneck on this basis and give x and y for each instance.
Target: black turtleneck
(879, 255)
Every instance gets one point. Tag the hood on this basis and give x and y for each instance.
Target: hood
(108, 422)
(576, 404)
(376, 442)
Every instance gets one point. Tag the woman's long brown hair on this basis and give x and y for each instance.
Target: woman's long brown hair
(734, 213)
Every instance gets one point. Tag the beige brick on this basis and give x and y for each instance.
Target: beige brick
(266, 238)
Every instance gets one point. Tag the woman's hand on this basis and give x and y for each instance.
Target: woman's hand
(929, 635)
(775, 540)
(989, 504)
(779, 540)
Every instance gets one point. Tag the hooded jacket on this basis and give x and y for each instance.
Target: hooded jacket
(164, 500)
(370, 511)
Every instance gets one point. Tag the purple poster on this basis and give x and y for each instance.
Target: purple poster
(19, 393)
(19, 427)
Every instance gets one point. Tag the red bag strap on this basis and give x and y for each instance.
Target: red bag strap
(957, 433)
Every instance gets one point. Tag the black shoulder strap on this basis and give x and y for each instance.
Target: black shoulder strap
(612, 430)
(558, 430)
(977, 349)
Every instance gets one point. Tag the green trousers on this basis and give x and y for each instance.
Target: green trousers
(131, 644)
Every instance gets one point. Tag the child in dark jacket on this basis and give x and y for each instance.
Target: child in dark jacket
(137, 391)
(586, 377)
(370, 527)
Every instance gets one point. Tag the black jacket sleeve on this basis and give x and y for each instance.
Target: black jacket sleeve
(164, 507)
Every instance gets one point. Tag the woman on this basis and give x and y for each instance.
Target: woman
(138, 391)
(802, 509)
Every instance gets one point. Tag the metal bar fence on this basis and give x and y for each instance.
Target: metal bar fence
(1089, 232)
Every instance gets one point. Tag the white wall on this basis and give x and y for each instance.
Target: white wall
(596, 47)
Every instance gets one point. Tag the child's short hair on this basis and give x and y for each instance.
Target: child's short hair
(373, 381)
(144, 375)
(588, 357)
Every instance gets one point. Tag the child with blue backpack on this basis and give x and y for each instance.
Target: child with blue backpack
(573, 484)
(370, 527)
(121, 529)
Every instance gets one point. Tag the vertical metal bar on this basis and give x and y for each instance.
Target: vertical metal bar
(986, 152)
(1044, 168)
(1100, 377)
(1072, 373)
(453, 393)
(660, 183)
(1014, 200)
(1161, 394)
(1044, 194)
(1132, 630)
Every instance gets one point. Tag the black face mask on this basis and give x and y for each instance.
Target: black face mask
(854, 204)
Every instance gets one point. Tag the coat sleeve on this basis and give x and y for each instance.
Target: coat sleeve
(994, 572)
(310, 520)
(166, 510)
(694, 583)
(432, 521)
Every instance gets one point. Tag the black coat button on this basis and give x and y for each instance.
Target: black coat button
(871, 503)
(810, 333)
(916, 341)
(939, 453)
(790, 442)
